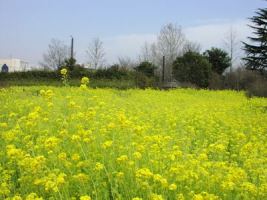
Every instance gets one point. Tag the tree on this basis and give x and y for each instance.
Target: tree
(147, 68)
(126, 62)
(56, 55)
(219, 59)
(192, 67)
(169, 43)
(145, 53)
(256, 52)
(70, 63)
(96, 53)
(232, 45)
(191, 46)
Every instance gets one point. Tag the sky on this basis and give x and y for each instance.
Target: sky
(27, 26)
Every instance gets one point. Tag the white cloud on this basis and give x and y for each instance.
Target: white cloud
(126, 45)
(214, 34)
(209, 35)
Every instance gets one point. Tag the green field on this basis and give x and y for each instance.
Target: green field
(74, 143)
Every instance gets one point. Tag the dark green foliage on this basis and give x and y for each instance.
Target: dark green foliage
(192, 67)
(256, 52)
(113, 72)
(70, 64)
(219, 59)
(114, 77)
(30, 75)
(146, 68)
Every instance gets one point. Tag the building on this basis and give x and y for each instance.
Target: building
(13, 65)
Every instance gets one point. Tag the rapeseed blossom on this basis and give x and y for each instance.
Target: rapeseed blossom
(68, 143)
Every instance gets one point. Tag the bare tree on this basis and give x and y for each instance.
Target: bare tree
(126, 62)
(232, 45)
(146, 53)
(170, 44)
(191, 46)
(96, 53)
(56, 54)
(170, 41)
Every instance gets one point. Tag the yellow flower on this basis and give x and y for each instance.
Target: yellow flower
(33, 196)
(17, 197)
(137, 155)
(107, 144)
(198, 197)
(3, 125)
(144, 173)
(85, 81)
(81, 177)
(85, 197)
(122, 158)
(156, 197)
(99, 166)
(120, 175)
(51, 142)
(63, 71)
(75, 157)
(172, 187)
(62, 156)
(83, 86)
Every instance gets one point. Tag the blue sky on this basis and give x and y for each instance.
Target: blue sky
(27, 26)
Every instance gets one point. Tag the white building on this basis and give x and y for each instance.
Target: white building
(14, 65)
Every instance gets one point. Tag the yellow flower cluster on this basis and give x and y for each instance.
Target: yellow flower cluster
(68, 143)
(84, 82)
(63, 71)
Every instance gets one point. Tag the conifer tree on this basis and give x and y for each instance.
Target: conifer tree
(256, 51)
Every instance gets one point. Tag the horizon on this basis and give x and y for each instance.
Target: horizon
(122, 26)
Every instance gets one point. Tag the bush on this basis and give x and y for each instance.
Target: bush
(257, 88)
(143, 81)
(147, 68)
(194, 68)
(216, 81)
(41, 74)
(114, 72)
(251, 81)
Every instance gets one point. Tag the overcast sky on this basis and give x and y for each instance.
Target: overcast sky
(27, 26)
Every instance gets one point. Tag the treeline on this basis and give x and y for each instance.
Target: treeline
(114, 72)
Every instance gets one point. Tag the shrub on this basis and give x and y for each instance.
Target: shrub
(192, 67)
(216, 81)
(143, 81)
(146, 68)
(251, 81)
(257, 88)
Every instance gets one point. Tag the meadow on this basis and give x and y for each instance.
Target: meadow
(82, 143)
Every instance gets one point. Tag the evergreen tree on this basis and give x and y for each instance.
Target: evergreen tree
(219, 59)
(192, 67)
(256, 58)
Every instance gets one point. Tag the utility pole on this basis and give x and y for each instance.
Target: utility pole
(163, 69)
(71, 50)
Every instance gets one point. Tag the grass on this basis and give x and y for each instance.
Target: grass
(94, 83)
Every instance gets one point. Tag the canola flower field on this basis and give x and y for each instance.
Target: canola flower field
(80, 143)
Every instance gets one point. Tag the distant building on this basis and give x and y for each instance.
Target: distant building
(4, 68)
(13, 65)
